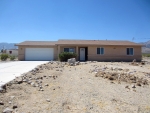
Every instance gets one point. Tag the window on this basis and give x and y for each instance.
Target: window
(69, 50)
(100, 50)
(129, 51)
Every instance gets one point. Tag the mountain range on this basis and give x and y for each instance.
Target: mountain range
(4, 45)
(146, 47)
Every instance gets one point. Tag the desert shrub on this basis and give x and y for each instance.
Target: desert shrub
(12, 57)
(146, 54)
(4, 56)
(64, 56)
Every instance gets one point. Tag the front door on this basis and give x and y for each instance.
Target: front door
(82, 54)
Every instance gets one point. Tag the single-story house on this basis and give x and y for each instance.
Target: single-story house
(86, 50)
(12, 52)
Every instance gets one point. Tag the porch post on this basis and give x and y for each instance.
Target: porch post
(77, 52)
(58, 48)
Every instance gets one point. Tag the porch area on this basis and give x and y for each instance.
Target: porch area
(81, 51)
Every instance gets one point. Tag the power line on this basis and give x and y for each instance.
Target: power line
(138, 38)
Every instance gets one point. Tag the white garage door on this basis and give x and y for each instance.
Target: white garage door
(39, 54)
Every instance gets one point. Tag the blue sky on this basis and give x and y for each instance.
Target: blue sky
(44, 20)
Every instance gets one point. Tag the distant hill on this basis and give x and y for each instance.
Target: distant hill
(146, 48)
(7, 46)
(147, 44)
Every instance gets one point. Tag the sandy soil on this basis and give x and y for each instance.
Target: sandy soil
(56, 87)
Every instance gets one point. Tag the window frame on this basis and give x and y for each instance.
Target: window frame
(69, 49)
(129, 51)
(100, 52)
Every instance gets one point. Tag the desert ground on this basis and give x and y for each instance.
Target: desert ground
(90, 87)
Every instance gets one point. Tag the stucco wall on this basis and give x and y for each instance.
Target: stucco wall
(114, 53)
(21, 51)
(111, 53)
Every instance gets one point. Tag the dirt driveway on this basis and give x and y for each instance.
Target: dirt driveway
(58, 88)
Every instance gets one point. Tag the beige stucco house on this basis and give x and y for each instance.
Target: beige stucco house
(91, 50)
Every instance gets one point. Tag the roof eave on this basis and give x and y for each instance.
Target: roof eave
(95, 45)
(32, 45)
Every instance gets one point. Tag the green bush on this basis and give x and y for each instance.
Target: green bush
(12, 57)
(4, 56)
(64, 56)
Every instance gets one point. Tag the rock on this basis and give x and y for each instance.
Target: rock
(53, 77)
(29, 82)
(111, 78)
(133, 86)
(46, 85)
(3, 88)
(94, 61)
(1, 103)
(30, 78)
(48, 100)
(15, 106)
(36, 69)
(33, 84)
(145, 82)
(134, 60)
(71, 64)
(133, 78)
(51, 62)
(41, 89)
(120, 69)
(138, 84)
(127, 87)
(19, 80)
(71, 61)
(7, 110)
(33, 73)
(142, 63)
(25, 80)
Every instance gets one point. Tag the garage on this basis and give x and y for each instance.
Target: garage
(39, 54)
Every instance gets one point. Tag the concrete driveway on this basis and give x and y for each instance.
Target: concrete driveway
(9, 70)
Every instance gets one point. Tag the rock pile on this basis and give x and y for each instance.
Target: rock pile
(121, 75)
(72, 62)
(3, 88)
(134, 63)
